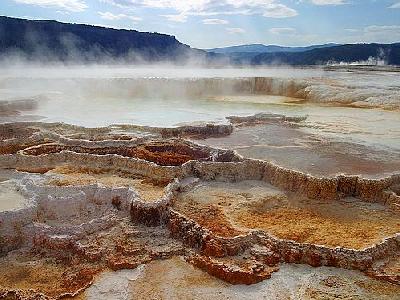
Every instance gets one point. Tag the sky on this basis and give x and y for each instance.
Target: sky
(218, 23)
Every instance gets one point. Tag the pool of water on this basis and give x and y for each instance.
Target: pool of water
(165, 97)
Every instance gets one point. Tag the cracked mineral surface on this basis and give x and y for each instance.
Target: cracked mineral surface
(262, 185)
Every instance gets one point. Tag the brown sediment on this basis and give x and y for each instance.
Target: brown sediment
(177, 277)
(211, 217)
(15, 137)
(263, 118)
(161, 153)
(237, 218)
(180, 280)
(35, 170)
(149, 190)
(306, 226)
(209, 130)
(100, 137)
(16, 131)
(186, 131)
(228, 209)
(59, 266)
(34, 278)
(387, 269)
(169, 154)
(249, 272)
(378, 288)
(12, 149)
(274, 249)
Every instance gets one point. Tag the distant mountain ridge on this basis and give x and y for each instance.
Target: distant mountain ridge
(56, 41)
(261, 48)
(49, 41)
(325, 54)
(343, 54)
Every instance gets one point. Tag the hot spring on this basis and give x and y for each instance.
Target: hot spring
(114, 175)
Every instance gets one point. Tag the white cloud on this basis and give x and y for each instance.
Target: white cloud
(279, 11)
(282, 31)
(112, 17)
(374, 34)
(180, 18)
(214, 21)
(267, 8)
(235, 30)
(118, 3)
(328, 2)
(62, 12)
(383, 29)
(352, 30)
(395, 5)
(71, 5)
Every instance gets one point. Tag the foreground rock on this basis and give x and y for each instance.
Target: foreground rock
(95, 201)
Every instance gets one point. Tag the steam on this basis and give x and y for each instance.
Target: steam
(379, 60)
(68, 49)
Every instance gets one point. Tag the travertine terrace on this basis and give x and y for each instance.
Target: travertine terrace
(114, 202)
(234, 209)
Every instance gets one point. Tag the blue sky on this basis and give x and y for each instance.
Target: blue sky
(216, 23)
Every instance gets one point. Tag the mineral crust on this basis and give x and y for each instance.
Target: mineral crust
(121, 197)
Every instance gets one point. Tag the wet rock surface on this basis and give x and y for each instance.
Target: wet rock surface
(290, 145)
(121, 204)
